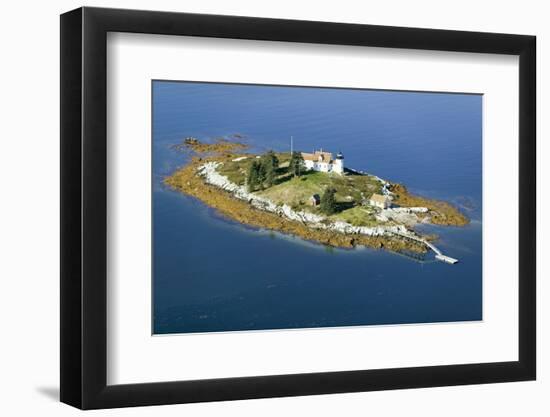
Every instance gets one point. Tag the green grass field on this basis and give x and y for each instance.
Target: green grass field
(358, 216)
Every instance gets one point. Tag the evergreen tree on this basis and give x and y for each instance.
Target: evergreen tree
(296, 164)
(269, 174)
(262, 173)
(270, 163)
(328, 201)
(252, 179)
(271, 159)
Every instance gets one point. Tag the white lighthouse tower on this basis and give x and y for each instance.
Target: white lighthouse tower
(338, 164)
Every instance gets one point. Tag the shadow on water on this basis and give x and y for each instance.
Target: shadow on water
(420, 258)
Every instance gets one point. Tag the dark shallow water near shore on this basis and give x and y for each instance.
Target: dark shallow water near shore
(211, 274)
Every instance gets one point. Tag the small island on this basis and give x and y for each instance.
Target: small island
(310, 195)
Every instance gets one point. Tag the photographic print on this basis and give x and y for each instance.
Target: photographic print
(289, 207)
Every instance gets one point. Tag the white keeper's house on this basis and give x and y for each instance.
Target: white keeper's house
(323, 161)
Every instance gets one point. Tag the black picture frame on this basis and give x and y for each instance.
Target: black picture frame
(84, 207)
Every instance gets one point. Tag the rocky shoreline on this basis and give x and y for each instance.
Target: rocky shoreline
(201, 179)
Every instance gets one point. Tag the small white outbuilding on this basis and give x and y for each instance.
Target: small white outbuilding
(380, 201)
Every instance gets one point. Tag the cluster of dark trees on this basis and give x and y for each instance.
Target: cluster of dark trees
(296, 164)
(328, 203)
(262, 172)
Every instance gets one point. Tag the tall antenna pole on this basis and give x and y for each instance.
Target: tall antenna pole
(291, 145)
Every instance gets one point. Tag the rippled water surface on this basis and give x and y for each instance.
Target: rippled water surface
(211, 274)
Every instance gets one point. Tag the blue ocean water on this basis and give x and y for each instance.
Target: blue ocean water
(211, 274)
